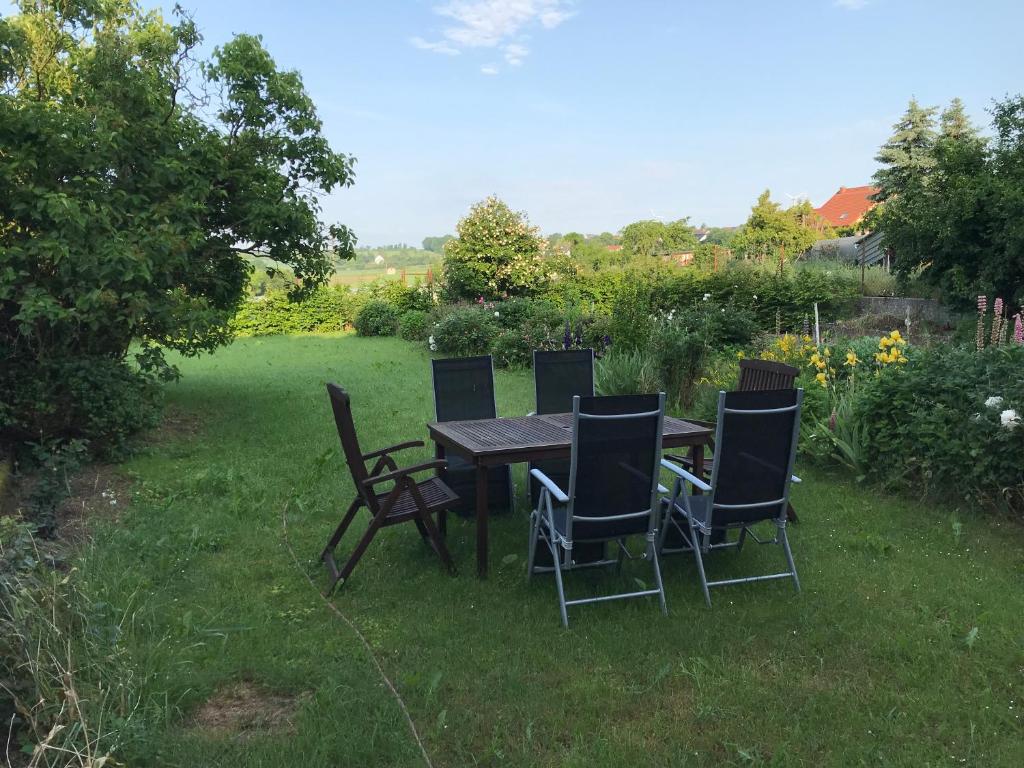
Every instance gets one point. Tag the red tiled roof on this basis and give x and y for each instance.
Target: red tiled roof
(848, 205)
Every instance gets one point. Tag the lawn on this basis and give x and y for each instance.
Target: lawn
(906, 646)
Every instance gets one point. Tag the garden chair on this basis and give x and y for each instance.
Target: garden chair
(612, 493)
(755, 448)
(755, 376)
(464, 389)
(558, 376)
(405, 500)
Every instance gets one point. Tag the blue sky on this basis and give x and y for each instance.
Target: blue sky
(590, 114)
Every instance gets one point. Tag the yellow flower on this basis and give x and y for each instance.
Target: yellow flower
(821, 379)
(902, 359)
(851, 358)
(740, 355)
(807, 339)
(828, 352)
(885, 342)
(895, 336)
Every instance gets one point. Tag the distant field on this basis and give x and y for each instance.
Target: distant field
(413, 273)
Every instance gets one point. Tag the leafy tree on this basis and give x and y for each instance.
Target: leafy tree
(497, 253)
(769, 228)
(907, 157)
(961, 229)
(136, 185)
(436, 244)
(653, 238)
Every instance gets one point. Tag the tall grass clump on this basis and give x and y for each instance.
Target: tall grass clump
(69, 695)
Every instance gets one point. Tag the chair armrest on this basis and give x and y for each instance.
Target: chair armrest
(680, 472)
(796, 479)
(532, 413)
(405, 471)
(662, 488)
(548, 483)
(392, 449)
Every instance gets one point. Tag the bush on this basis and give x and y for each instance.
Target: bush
(678, 355)
(464, 331)
(100, 400)
(927, 427)
(511, 349)
(377, 318)
(414, 325)
(326, 309)
(402, 297)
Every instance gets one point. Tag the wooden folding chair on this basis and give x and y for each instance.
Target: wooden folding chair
(406, 500)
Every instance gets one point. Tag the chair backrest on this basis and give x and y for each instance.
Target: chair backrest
(755, 448)
(560, 375)
(342, 407)
(761, 375)
(464, 388)
(616, 460)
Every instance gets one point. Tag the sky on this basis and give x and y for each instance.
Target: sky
(591, 114)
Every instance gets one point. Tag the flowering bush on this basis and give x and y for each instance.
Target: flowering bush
(497, 253)
(948, 421)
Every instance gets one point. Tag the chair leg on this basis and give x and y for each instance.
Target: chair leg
(357, 553)
(534, 541)
(621, 545)
(442, 523)
(696, 545)
(742, 538)
(438, 542)
(346, 521)
(657, 575)
(789, 555)
(556, 556)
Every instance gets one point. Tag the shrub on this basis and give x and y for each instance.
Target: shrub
(326, 309)
(948, 422)
(464, 331)
(99, 400)
(377, 318)
(402, 297)
(678, 354)
(414, 325)
(511, 349)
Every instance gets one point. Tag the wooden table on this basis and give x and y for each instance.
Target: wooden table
(496, 442)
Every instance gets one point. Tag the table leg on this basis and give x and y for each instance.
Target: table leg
(697, 456)
(442, 516)
(481, 520)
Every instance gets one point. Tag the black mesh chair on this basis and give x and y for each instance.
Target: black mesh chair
(464, 389)
(612, 492)
(755, 448)
(558, 377)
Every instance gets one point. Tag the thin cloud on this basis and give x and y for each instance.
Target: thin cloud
(438, 47)
(850, 5)
(515, 53)
(489, 69)
(501, 24)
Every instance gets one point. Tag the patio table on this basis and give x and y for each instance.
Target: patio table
(488, 443)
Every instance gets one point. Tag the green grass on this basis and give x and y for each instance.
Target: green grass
(876, 662)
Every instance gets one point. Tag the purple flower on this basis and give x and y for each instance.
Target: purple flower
(567, 339)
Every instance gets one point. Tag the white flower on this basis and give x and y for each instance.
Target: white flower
(1009, 418)
(755, 297)
(497, 313)
(432, 344)
(707, 296)
(994, 402)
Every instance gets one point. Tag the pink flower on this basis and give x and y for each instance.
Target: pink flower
(1018, 328)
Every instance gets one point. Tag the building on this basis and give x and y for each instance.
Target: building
(847, 207)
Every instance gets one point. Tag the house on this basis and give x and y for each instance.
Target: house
(613, 248)
(847, 207)
(683, 258)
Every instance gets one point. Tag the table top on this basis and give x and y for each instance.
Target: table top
(539, 434)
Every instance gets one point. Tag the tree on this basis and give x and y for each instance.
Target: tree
(496, 253)
(136, 184)
(647, 238)
(907, 157)
(436, 244)
(960, 229)
(769, 228)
